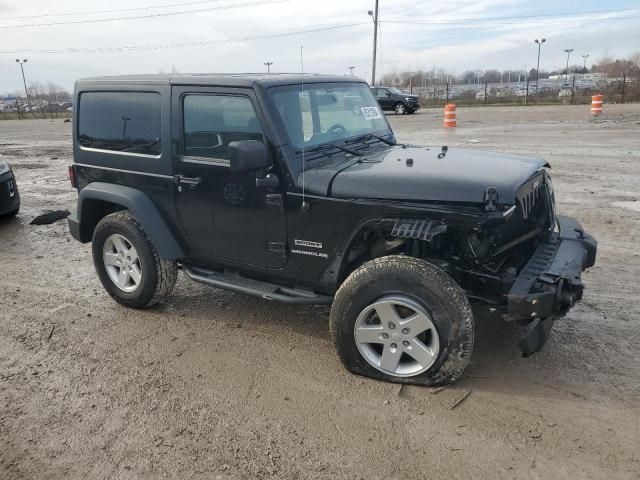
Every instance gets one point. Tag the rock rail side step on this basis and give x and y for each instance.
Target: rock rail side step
(256, 288)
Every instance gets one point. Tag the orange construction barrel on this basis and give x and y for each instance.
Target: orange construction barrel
(450, 115)
(596, 103)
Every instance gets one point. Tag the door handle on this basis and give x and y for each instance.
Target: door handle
(191, 181)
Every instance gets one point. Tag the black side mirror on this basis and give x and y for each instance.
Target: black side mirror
(248, 155)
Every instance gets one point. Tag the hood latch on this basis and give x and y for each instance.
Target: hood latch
(491, 199)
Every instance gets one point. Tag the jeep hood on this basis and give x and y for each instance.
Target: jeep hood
(415, 173)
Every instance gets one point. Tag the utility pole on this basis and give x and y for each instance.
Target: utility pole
(351, 70)
(374, 14)
(24, 81)
(584, 64)
(539, 42)
(268, 65)
(566, 74)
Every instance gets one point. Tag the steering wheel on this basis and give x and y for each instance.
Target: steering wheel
(337, 128)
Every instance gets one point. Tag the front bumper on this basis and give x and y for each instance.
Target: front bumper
(413, 106)
(550, 283)
(9, 196)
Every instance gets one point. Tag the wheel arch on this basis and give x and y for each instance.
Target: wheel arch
(349, 257)
(339, 267)
(99, 199)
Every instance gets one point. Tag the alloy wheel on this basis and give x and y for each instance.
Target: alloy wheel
(397, 336)
(122, 263)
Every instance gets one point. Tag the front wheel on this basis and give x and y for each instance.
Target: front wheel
(401, 319)
(400, 109)
(128, 264)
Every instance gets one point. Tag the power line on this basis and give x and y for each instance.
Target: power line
(487, 24)
(133, 48)
(151, 15)
(100, 12)
(518, 17)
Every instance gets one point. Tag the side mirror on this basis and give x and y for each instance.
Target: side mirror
(248, 155)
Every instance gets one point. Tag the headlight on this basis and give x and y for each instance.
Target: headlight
(4, 167)
(408, 99)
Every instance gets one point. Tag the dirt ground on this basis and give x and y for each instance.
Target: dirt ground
(220, 385)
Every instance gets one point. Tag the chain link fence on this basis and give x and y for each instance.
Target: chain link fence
(568, 90)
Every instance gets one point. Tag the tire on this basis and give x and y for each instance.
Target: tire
(413, 284)
(156, 277)
(400, 108)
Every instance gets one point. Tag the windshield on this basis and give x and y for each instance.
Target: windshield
(319, 113)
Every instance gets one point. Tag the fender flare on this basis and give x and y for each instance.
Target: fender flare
(141, 207)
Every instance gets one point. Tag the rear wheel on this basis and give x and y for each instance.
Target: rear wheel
(128, 264)
(400, 109)
(401, 319)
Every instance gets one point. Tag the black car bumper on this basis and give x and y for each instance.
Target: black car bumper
(550, 284)
(9, 196)
(413, 106)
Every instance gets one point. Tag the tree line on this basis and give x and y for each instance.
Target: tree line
(611, 67)
(48, 91)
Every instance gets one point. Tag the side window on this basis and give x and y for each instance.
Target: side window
(211, 122)
(375, 92)
(382, 93)
(120, 121)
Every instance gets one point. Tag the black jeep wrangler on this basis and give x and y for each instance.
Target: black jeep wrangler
(271, 186)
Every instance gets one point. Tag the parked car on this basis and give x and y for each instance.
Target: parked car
(272, 187)
(9, 196)
(390, 98)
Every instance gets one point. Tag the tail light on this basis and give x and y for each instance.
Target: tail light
(72, 177)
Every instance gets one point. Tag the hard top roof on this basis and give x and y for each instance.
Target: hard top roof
(218, 79)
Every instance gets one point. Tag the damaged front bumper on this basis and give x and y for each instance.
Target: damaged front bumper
(549, 284)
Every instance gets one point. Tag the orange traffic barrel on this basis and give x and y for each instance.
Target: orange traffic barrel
(450, 115)
(596, 103)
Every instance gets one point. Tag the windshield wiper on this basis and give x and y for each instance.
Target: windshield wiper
(329, 146)
(368, 136)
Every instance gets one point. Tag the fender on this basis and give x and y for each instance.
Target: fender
(140, 206)
(420, 226)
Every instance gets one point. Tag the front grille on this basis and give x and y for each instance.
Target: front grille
(532, 193)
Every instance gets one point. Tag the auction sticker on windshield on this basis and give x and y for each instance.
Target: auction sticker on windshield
(371, 113)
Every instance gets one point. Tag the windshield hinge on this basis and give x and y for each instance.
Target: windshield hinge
(491, 199)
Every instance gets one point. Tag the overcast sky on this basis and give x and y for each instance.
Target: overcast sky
(242, 38)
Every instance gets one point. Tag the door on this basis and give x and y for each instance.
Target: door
(384, 98)
(224, 216)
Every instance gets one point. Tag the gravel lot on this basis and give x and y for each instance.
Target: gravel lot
(219, 385)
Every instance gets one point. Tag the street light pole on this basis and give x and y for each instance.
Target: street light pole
(539, 42)
(268, 65)
(24, 81)
(584, 65)
(374, 14)
(124, 127)
(566, 74)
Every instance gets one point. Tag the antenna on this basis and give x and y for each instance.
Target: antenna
(305, 205)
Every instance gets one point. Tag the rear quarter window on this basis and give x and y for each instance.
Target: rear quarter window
(126, 122)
